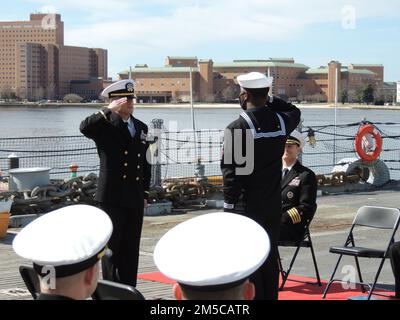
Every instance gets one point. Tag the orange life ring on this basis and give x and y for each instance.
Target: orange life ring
(362, 131)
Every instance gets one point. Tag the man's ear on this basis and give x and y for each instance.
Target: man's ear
(249, 291)
(90, 275)
(177, 291)
(245, 95)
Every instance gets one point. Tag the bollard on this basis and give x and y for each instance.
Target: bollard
(156, 167)
(73, 168)
(200, 171)
(13, 161)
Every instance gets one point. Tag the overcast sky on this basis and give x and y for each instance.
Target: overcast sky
(313, 32)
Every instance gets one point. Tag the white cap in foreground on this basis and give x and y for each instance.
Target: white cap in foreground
(71, 239)
(212, 250)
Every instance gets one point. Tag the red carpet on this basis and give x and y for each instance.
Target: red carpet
(156, 277)
(292, 291)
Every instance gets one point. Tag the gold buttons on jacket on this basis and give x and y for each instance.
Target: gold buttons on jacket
(124, 176)
(137, 178)
(125, 164)
(138, 155)
(126, 153)
(138, 167)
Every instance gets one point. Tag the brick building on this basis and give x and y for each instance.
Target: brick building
(35, 63)
(216, 81)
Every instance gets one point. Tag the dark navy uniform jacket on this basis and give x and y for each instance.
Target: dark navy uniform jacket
(124, 171)
(261, 190)
(299, 194)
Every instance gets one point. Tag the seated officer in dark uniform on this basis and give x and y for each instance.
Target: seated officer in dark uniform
(394, 254)
(65, 247)
(299, 190)
(212, 256)
(124, 180)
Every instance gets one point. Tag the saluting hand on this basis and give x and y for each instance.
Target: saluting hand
(116, 105)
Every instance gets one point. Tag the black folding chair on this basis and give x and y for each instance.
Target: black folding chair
(31, 280)
(304, 242)
(106, 290)
(109, 290)
(371, 217)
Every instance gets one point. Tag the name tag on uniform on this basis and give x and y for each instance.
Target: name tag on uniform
(295, 182)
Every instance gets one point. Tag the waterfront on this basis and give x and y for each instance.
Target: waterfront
(37, 122)
(178, 154)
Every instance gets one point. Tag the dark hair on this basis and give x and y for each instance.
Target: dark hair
(258, 93)
(230, 293)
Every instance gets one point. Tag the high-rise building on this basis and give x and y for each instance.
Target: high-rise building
(35, 63)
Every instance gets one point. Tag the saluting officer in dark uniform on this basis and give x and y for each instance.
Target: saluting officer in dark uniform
(124, 179)
(268, 120)
(299, 190)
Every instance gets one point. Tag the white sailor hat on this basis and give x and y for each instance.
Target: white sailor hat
(123, 88)
(296, 138)
(254, 80)
(70, 240)
(212, 252)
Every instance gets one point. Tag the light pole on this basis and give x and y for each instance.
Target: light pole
(335, 122)
(192, 113)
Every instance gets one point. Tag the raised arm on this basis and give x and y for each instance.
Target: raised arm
(290, 113)
(92, 125)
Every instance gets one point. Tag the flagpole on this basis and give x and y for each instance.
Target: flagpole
(335, 124)
(192, 112)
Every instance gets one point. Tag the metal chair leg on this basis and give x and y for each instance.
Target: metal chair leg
(363, 290)
(332, 276)
(290, 268)
(376, 278)
(315, 263)
(281, 271)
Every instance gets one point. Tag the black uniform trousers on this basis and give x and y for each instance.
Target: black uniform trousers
(267, 215)
(122, 266)
(266, 278)
(394, 253)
